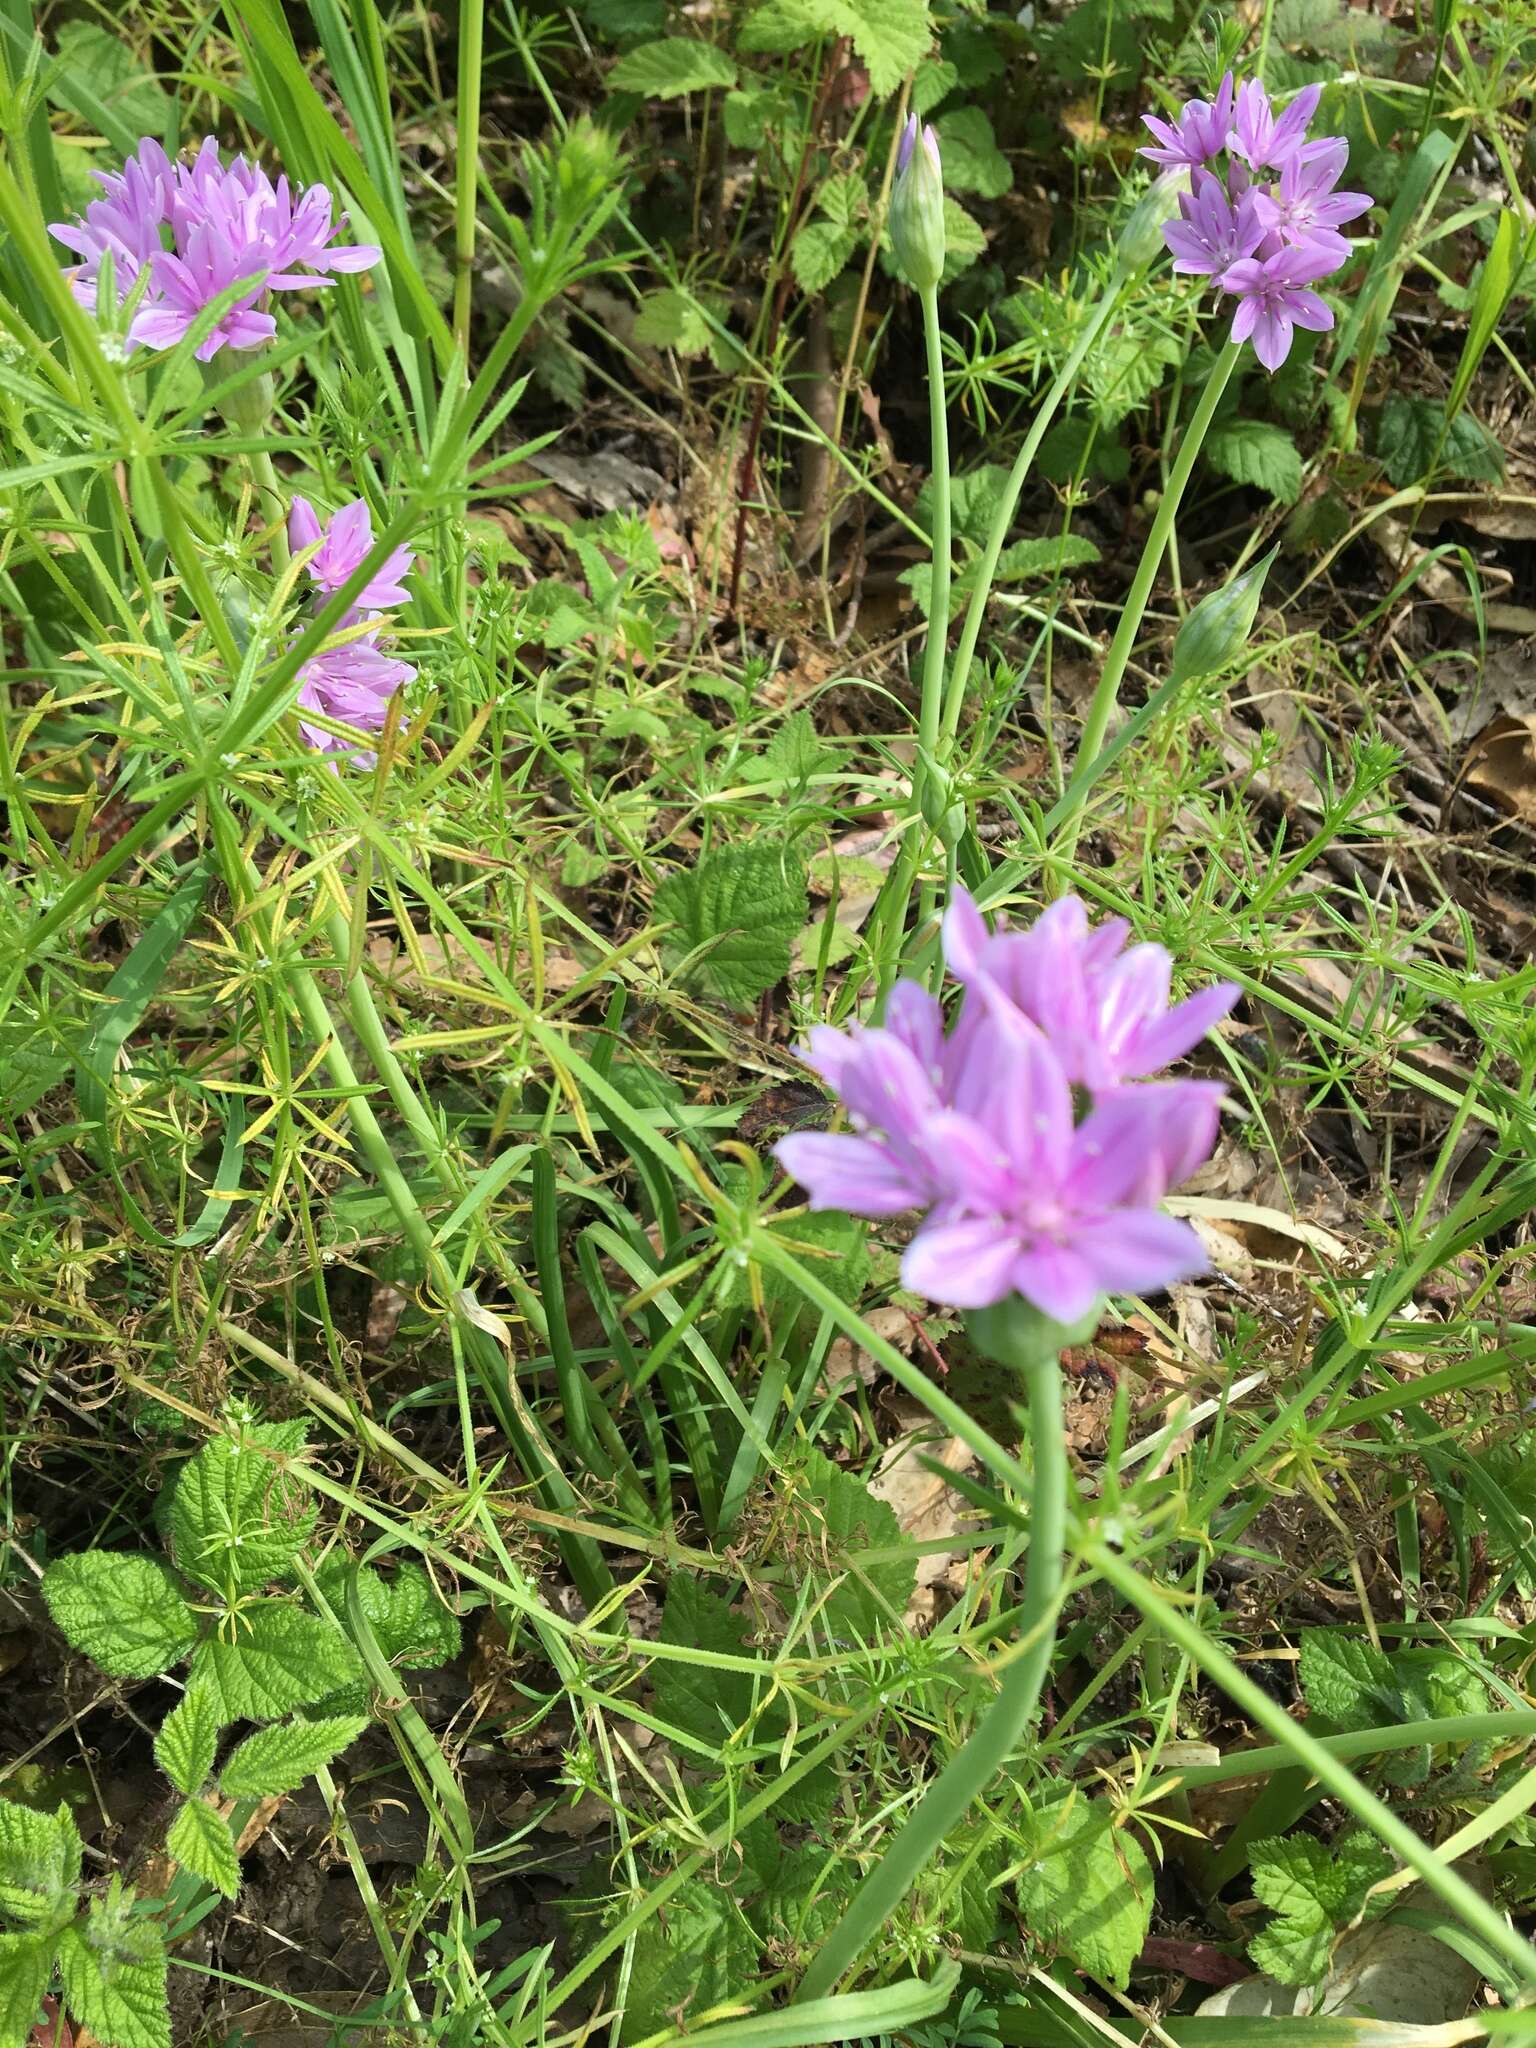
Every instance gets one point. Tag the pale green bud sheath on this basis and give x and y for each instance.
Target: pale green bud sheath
(1141, 239)
(917, 209)
(1217, 630)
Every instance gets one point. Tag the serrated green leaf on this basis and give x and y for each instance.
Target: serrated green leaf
(1259, 453)
(620, 20)
(818, 253)
(188, 1738)
(275, 1760)
(283, 1658)
(1088, 1887)
(39, 1861)
(123, 1611)
(794, 754)
(1024, 561)
(114, 1979)
(235, 1521)
(890, 36)
(410, 1623)
(970, 155)
(746, 113)
(1345, 1680)
(1410, 432)
(674, 319)
(738, 911)
(935, 80)
(26, 1964)
(840, 1518)
(705, 1953)
(103, 63)
(201, 1840)
(674, 66)
(1314, 1890)
(698, 1698)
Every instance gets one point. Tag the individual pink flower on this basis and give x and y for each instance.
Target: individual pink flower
(1211, 232)
(1103, 1006)
(1305, 209)
(345, 541)
(186, 285)
(124, 223)
(1268, 143)
(352, 682)
(979, 1124)
(1273, 299)
(1199, 134)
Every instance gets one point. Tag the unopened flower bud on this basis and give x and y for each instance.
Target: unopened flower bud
(1141, 239)
(1217, 630)
(917, 209)
(943, 812)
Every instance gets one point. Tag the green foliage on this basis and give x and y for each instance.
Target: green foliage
(26, 1965)
(40, 1856)
(113, 1967)
(1086, 1886)
(279, 1658)
(124, 1612)
(200, 1839)
(700, 1698)
(838, 1517)
(1351, 1685)
(275, 1760)
(706, 1951)
(1415, 440)
(971, 158)
(674, 66)
(738, 910)
(1258, 453)
(235, 1521)
(188, 1740)
(890, 36)
(1314, 1891)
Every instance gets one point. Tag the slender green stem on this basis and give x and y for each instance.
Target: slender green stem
(960, 667)
(948, 1799)
(897, 893)
(1322, 1762)
(471, 61)
(1107, 693)
(274, 505)
(938, 589)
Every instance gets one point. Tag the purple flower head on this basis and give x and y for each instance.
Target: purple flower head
(1199, 134)
(345, 540)
(1268, 143)
(353, 683)
(979, 1126)
(1305, 209)
(1211, 233)
(1103, 1007)
(1273, 299)
(124, 223)
(227, 221)
(185, 285)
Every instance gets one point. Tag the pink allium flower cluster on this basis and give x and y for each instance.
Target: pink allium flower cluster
(228, 224)
(354, 680)
(1266, 244)
(1029, 1132)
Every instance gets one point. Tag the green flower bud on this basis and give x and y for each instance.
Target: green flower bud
(1217, 630)
(917, 209)
(943, 812)
(1141, 239)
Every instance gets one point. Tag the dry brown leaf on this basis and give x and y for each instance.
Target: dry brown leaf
(1502, 765)
(925, 1506)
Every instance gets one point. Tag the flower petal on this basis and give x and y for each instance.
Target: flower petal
(967, 1264)
(839, 1171)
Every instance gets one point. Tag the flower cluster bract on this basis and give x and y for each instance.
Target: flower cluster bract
(1268, 243)
(1028, 1131)
(353, 679)
(228, 225)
